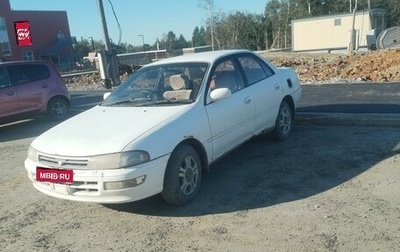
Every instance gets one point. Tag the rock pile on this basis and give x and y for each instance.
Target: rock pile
(373, 66)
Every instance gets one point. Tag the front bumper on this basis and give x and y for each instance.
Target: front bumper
(89, 185)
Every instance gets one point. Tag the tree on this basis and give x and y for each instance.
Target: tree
(260, 30)
(270, 29)
(81, 49)
(181, 42)
(208, 5)
(171, 43)
(275, 12)
(199, 37)
(130, 48)
(393, 8)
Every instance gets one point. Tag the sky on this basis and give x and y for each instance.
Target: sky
(151, 18)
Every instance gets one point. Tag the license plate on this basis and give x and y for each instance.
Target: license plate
(54, 175)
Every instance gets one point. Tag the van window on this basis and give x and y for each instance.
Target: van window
(28, 73)
(4, 80)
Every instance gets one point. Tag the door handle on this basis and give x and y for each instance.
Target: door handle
(10, 93)
(247, 100)
(277, 87)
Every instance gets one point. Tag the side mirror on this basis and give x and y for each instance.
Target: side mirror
(220, 93)
(106, 95)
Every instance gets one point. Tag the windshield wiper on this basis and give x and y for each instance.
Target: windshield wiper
(173, 101)
(164, 102)
(127, 101)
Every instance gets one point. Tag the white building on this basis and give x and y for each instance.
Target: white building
(329, 33)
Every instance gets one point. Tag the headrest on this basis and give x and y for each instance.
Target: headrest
(177, 82)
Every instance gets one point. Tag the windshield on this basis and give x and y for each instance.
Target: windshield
(160, 85)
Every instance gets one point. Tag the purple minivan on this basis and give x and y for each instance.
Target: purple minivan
(30, 88)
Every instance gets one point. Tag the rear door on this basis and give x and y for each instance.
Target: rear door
(32, 85)
(8, 95)
(265, 88)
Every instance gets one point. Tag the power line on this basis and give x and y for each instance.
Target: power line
(118, 24)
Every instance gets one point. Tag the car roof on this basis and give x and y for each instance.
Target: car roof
(209, 57)
(21, 62)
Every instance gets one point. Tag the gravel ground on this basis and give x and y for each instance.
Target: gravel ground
(327, 188)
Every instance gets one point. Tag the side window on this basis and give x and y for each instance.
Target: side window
(253, 69)
(4, 79)
(28, 73)
(226, 75)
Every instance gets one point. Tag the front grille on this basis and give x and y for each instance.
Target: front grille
(85, 186)
(59, 162)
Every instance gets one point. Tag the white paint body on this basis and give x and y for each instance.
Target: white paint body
(218, 127)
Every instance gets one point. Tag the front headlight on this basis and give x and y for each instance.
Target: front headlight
(32, 154)
(117, 160)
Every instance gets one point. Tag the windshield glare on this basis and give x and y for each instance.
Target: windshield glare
(166, 84)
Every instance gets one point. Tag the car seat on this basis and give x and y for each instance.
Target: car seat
(181, 88)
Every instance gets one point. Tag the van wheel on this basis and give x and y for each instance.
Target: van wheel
(284, 122)
(182, 178)
(57, 109)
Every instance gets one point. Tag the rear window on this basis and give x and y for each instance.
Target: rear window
(28, 73)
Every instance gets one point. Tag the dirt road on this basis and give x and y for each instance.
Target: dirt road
(327, 188)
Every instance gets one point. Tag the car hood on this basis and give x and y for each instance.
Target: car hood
(102, 130)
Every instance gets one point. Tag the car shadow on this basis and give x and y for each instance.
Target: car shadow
(264, 173)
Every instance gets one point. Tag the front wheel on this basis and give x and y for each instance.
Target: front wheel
(182, 178)
(284, 122)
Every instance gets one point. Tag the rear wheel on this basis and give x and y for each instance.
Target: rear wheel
(182, 178)
(284, 122)
(57, 109)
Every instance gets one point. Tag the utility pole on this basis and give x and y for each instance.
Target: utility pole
(370, 15)
(141, 35)
(353, 32)
(109, 58)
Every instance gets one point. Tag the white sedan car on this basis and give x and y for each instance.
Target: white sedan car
(163, 127)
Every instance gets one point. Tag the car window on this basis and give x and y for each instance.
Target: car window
(28, 72)
(159, 85)
(226, 75)
(144, 81)
(254, 70)
(4, 79)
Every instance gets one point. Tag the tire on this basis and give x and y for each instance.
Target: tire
(57, 109)
(284, 122)
(182, 178)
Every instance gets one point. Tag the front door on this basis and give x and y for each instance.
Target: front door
(231, 119)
